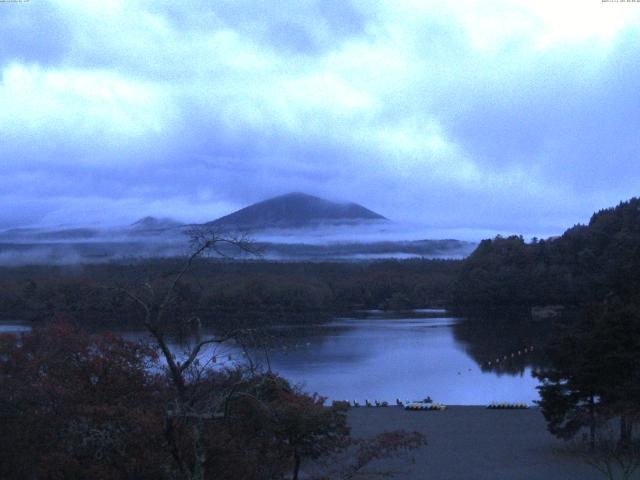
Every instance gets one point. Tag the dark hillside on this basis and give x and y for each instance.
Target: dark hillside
(296, 210)
(252, 291)
(586, 264)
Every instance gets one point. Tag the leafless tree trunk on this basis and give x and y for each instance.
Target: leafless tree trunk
(608, 457)
(155, 305)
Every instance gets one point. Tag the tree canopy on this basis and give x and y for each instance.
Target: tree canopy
(594, 372)
(584, 265)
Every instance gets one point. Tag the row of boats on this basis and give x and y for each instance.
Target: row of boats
(428, 404)
(399, 403)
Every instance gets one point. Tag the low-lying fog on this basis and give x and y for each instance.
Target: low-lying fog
(321, 242)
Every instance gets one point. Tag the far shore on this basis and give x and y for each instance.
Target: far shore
(472, 443)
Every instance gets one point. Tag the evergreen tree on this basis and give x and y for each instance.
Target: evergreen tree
(595, 373)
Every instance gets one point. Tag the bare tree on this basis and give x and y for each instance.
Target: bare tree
(605, 454)
(198, 398)
(190, 406)
(351, 463)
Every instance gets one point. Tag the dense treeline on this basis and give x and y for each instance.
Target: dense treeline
(590, 370)
(93, 406)
(78, 406)
(593, 374)
(234, 291)
(584, 265)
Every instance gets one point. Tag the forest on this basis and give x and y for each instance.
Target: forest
(79, 405)
(585, 265)
(76, 405)
(226, 291)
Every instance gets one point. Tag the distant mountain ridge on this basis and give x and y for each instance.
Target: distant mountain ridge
(296, 210)
(154, 223)
(291, 227)
(147, 226)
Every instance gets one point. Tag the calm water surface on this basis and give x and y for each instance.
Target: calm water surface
(384, 356)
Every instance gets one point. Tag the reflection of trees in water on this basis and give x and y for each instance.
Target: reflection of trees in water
(490, 336)
(291, 336)
(484, 336)
(293, 345)
(289, 344)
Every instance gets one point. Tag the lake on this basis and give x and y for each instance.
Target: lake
(411, 355)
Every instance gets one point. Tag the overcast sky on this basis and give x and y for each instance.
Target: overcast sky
(512, 116)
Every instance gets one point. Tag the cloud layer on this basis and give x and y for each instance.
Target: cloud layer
(512, 116)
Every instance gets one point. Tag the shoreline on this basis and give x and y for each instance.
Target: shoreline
(472, 442)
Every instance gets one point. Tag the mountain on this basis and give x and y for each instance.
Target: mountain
(43, 235)
(154, 224)
(295, 210)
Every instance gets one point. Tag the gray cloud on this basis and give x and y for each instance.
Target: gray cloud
(33, 33)
(503, 119)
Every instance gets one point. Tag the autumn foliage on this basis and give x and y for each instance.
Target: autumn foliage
(79, 406)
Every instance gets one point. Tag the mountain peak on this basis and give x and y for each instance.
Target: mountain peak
(295, 210)
(294, 195)
(154, 223)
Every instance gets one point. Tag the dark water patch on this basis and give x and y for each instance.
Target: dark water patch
(387, 355)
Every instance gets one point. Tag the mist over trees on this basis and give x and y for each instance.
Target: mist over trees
(205, 420)
(75, 406)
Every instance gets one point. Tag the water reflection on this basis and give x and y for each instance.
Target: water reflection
(383, 356)
(503, 342)
(14, 327)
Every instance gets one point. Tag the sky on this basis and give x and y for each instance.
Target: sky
(472, 116)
